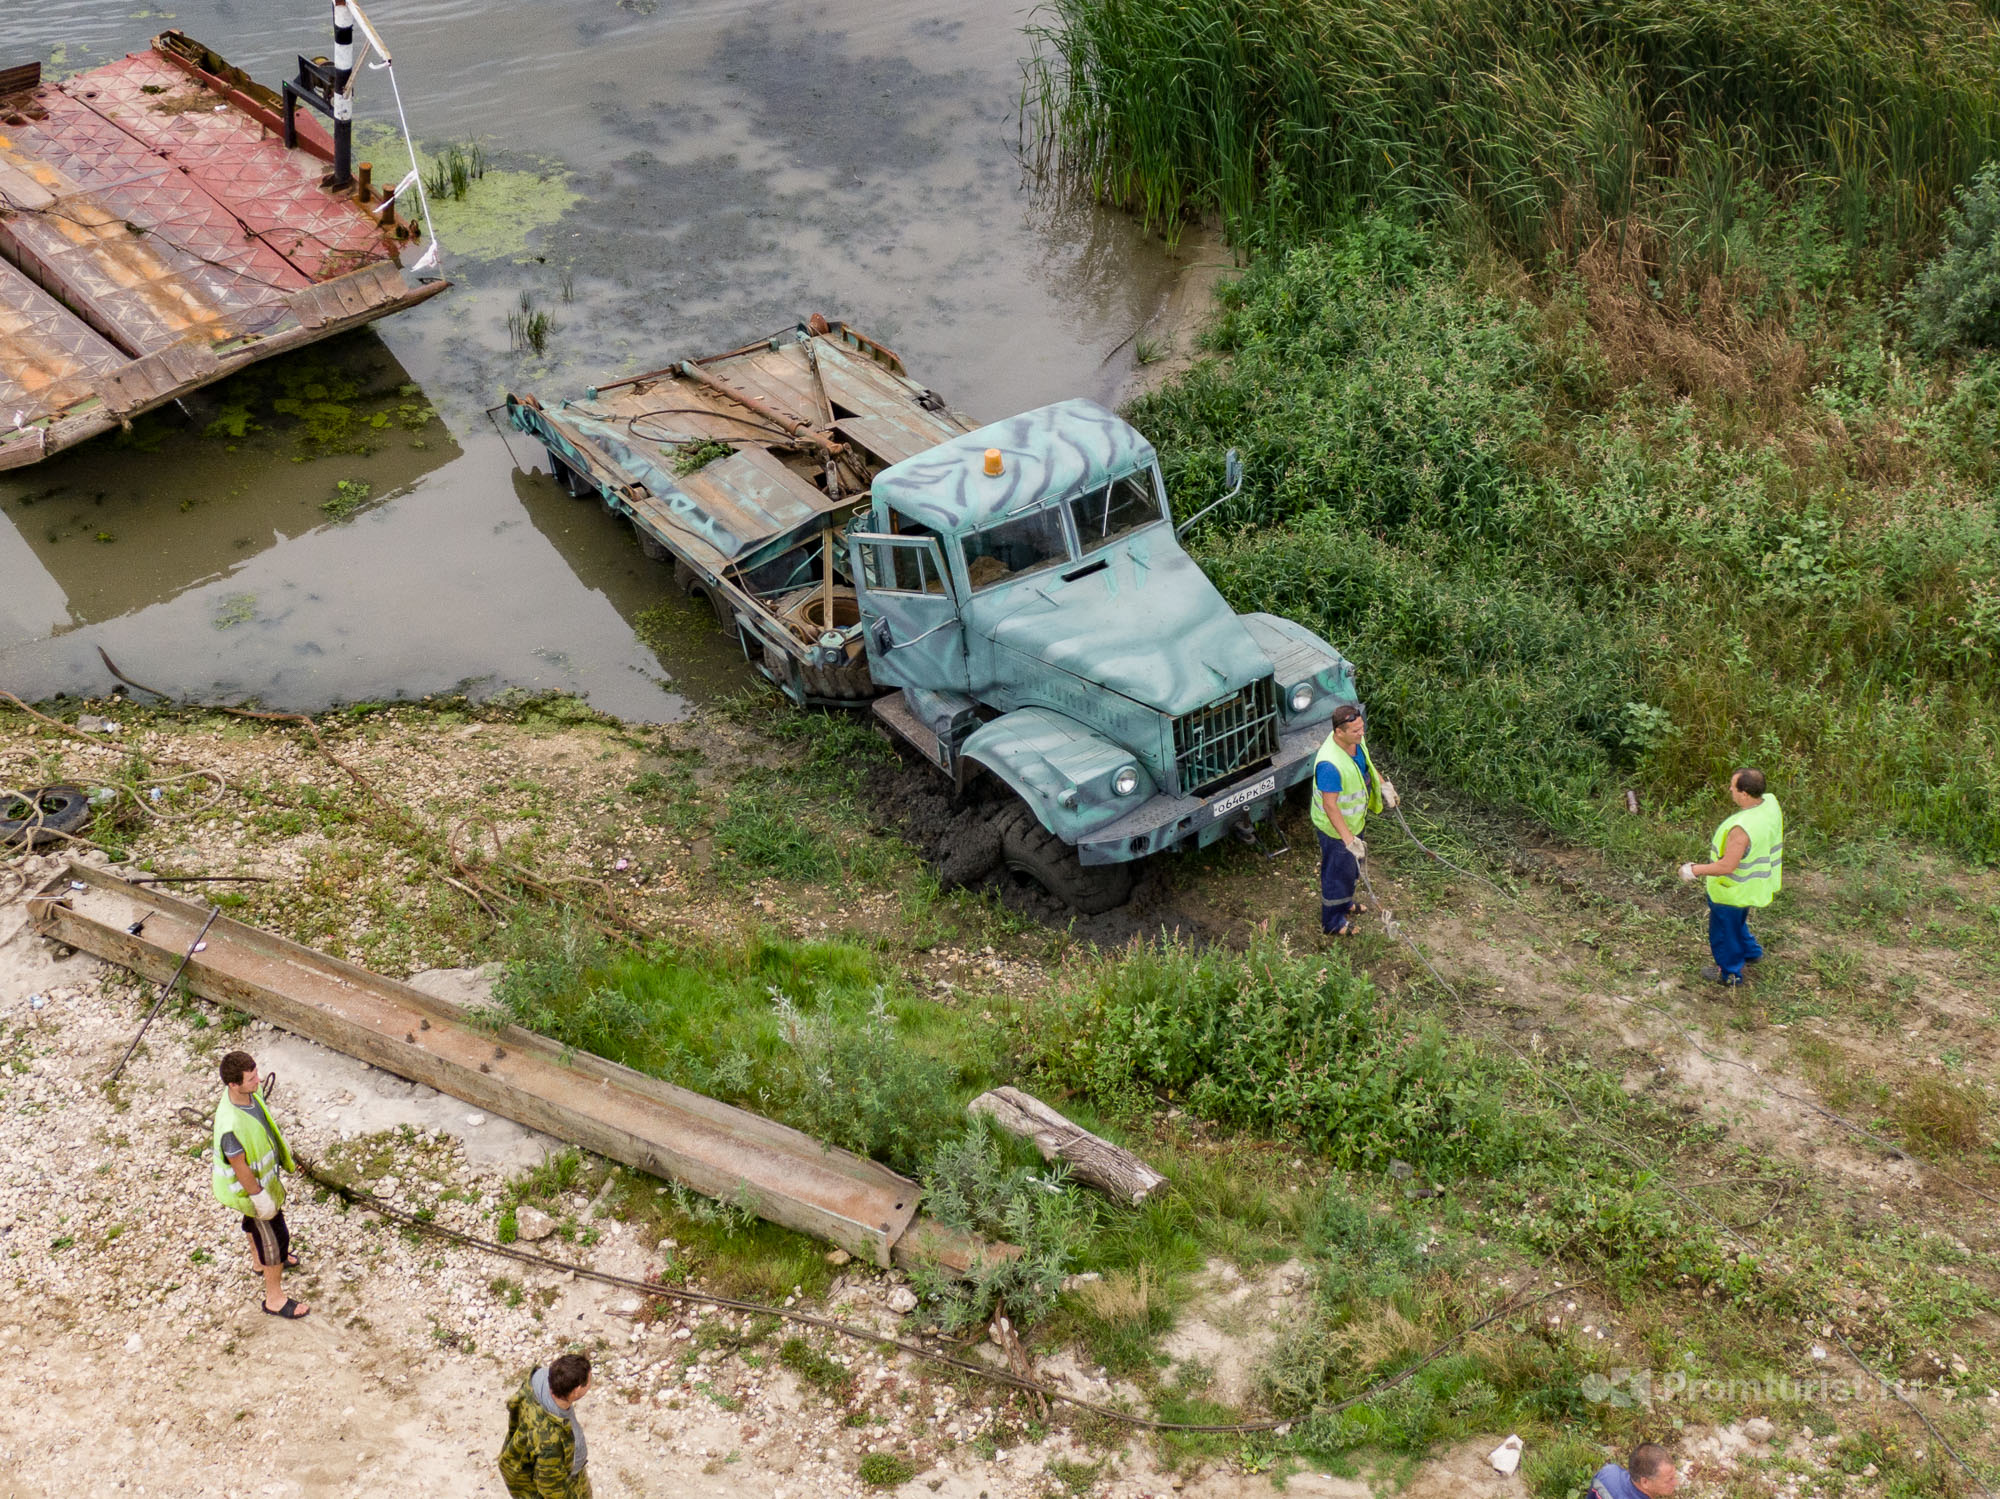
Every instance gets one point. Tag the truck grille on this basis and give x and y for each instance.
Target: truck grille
(1227, 737)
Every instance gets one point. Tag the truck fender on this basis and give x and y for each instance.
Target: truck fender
(1041, 755)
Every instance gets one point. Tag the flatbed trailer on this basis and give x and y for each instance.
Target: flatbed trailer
(157, 234)
(743, 470)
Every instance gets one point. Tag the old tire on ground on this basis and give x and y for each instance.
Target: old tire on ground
(1029, 849)
(42, 814)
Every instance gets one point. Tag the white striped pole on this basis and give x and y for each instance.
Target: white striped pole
(343, 98)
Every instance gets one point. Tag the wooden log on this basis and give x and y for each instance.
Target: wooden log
(1095, 1162)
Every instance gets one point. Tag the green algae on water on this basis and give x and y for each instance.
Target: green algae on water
(500, 210)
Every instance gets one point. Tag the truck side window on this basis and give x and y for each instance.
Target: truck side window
(1016, 546)
(895, 569)
(1104, 515)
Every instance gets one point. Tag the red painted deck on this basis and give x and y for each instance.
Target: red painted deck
(172, 237)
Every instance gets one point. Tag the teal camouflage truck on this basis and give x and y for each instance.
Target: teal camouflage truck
(1023, 589)
(1012, 601)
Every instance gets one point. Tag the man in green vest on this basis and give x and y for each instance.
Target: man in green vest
(1746, 868)
(248, 1156)
(544, 1455)
(1345, 790)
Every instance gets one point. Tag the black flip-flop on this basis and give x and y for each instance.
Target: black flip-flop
(289, 1311)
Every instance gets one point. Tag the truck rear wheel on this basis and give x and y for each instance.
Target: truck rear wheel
(1029, 849)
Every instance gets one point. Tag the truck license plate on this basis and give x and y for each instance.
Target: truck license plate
(1236, 799)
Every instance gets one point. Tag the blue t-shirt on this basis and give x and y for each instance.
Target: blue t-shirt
(1326, 775)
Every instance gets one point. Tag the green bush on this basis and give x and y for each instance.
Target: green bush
(1560, 1468)
(1954, 302)
(970, 1184)
(1549, 599)
(808, 1032)
(885, 1470)
(1286, 1044)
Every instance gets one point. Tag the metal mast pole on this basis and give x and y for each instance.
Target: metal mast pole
(343, 97)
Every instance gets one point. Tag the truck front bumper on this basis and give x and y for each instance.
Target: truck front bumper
(1172, 822)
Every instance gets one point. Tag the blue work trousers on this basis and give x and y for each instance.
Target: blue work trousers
(1730, 940)
(1338, 875)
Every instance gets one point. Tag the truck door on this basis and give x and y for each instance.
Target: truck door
(908, 612)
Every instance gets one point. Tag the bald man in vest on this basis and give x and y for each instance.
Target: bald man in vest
(1345, 790)
(1746, 868)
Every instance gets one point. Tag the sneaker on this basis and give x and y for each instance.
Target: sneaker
(1714, 974)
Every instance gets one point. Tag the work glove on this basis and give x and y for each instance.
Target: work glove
(264, 1206)
(1357, 848)
(1687, 872)
(1389, 797)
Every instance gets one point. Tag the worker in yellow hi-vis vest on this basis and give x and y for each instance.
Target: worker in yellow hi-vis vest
(1345, 790)
(1746, 868)
(247, 1160)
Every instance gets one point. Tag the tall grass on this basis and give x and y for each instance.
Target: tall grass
(1533, 123)
(1553, 597)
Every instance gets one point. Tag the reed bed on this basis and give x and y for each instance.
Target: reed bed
(1531, 125)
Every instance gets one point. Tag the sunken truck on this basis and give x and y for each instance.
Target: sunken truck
(1011, 601)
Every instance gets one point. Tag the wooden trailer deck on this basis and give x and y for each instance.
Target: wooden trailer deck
(742, 468)
(156, 234)
(724, 1152)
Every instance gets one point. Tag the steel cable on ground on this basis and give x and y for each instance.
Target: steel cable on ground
(1826, 1312)
(653, 1290)
(1819, 1108)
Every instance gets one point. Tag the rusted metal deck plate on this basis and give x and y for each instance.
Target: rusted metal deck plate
(49, 358)
(236, 161)
(158, 204)
(724, 1152)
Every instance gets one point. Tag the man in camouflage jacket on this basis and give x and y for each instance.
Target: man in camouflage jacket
(544, 1456)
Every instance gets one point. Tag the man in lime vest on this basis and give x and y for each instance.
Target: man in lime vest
(248, 1155)
(1345, 790)
(1746, 868)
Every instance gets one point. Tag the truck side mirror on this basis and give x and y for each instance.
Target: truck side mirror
(1232, 471)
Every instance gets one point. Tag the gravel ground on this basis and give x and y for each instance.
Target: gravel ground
(138, 1361)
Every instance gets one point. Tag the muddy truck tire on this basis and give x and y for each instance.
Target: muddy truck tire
(1028, 848)
(40, 815)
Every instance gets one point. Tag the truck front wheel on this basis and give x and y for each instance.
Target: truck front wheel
(1029, 849)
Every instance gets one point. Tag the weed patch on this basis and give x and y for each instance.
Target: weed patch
(1290, 1045)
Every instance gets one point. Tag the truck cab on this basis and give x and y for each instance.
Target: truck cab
(1023, 591)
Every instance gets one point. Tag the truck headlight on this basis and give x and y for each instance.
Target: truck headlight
(1302, 697)
(1126, 781)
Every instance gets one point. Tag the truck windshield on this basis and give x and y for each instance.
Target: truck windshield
(1104, 515)
(1015, 546)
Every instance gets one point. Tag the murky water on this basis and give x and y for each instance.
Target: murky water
(663, 179)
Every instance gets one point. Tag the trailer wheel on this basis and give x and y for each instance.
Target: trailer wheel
(42, 814)
(574, 484)
(650, 547)
(1029, 849)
